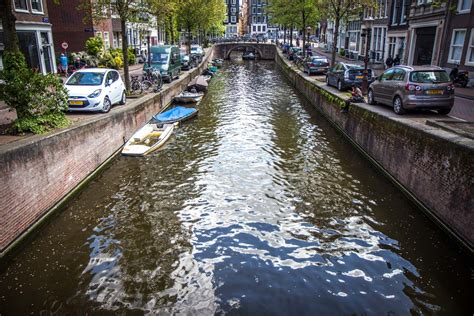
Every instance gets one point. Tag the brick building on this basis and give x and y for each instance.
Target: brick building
(231, 21)
(34, 35)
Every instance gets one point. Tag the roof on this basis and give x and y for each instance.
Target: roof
(419, 68)
(100, 70)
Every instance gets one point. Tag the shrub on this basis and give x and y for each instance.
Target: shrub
(91, 61)
(39, 99)
(132, 58)
(342, 52)
(94, 45)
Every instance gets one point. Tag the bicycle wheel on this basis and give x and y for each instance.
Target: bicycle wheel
(146, 85)
(158, 84)
(136, 87)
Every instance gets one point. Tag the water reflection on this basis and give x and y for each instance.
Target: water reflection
(255, 207)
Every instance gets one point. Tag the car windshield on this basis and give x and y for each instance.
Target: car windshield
(86, 79)
(429, 76)
(159, 58)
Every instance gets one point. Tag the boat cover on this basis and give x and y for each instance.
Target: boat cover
(176, 114)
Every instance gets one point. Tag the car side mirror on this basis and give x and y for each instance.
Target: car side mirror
(109, 82)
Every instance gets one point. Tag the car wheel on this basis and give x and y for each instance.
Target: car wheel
(443, 111)
(339, 85)
(370, 97)
(123, 100)
(398, 106)
(106, 106)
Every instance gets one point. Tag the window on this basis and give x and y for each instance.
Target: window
(21, 5)
(398, 75)
(457, 43)
(106, 40)
(232, 19)
(464, 6)
(36, 6)
(470, 50)
(403, 17)
(388, 75)
(394, 13)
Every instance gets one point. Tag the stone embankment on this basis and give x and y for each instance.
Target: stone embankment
(431, 165)
(41, 172)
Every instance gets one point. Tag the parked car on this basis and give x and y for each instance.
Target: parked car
(410, 87)
(316, 64)
(185, 62)
(197, 50)
(343, 75)
(95, 89)
(293, 51)
(165, 58)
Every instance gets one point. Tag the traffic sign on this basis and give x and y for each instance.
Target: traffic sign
(64, 45)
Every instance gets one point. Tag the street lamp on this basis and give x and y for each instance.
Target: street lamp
(367, 35)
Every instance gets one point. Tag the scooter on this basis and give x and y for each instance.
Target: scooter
(460, 77)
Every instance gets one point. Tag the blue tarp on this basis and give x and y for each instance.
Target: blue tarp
(175, 114)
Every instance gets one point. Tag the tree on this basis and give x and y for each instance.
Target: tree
(127, 11)
(339, 11)
(165, 13)
(196, 16)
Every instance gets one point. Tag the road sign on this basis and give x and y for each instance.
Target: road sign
(64, 45)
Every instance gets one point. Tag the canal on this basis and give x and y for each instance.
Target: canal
(256, 207)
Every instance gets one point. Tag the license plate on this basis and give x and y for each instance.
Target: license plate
(359, 77)
(434, 91)
(76, 102)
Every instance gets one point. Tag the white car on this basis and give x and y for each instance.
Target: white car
(196, 49)
(95, 89)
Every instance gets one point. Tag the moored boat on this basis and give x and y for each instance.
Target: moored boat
(188, 97)
(176, 114)
(248, 56)
(148, 139)
(199, 84)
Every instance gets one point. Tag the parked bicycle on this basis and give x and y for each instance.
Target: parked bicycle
(152, 78)
(136, 86)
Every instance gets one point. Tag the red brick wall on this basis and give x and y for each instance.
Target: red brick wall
(69, 25)
(37, 172)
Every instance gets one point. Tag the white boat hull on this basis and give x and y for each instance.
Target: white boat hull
(148, 139)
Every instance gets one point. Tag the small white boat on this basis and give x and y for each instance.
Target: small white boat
(188, 97)
(148, 139)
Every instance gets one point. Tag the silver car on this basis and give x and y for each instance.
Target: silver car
(410, 87)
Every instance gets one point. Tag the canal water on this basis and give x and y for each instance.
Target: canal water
(256, 207)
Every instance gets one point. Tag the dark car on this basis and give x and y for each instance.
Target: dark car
(343, 75)
(185, 61)
(294, 51)
(316, 64)
(410, 87)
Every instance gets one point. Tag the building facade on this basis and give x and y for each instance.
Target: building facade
(232, 18)
(258, 18)
(459, 35)
(34, 34)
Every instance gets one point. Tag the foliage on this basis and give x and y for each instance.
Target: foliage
(94, 45)
(342, 52)
(91, 61)
(39, 99)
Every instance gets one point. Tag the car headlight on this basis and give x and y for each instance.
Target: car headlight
(95, 94)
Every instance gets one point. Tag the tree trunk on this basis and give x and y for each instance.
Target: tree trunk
(188, 37)
(10, 36)
(291, 35)
(284, 35)
(126, 72)
(335, 38)
(303, 15)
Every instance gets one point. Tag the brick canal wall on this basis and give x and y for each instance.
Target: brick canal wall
(432, 166)
(36, 173)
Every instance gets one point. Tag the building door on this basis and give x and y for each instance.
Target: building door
(46, 52)
(425, 38)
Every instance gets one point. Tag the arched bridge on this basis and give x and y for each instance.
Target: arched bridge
(264, 50)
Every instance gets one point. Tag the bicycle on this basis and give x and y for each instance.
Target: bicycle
(136, 86)
(152, 77)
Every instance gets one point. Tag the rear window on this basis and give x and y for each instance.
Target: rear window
(429, 76)
(355, 67)
(320, 61)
